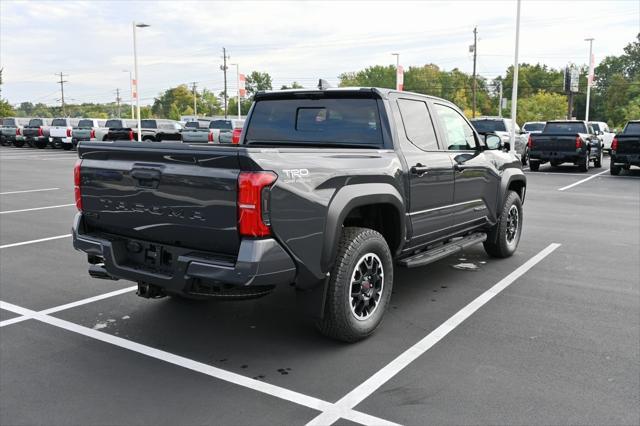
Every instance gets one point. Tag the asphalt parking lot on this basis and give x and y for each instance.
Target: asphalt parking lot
(549, 336)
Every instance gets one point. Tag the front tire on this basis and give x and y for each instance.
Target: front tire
(503, 238)
(534, 166)
(359, 287)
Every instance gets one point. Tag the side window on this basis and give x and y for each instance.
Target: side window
(417, 124)
(459, 134)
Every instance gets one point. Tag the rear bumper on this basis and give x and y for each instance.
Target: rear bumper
(564, 157)
(260, 263)
(633, 159)
(61, 139)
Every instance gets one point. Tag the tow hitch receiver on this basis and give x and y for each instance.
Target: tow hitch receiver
(150, 291)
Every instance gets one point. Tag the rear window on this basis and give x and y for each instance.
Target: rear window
(192, 125)
(59, 122)
(632, 129)
(595, 126)
(316, 121)
(533, 127)
(567, 127)
(489, 126)
(35, 122)
(8, 122)
(221, 124)
(85, 123)
(113, 124)
(149, 124)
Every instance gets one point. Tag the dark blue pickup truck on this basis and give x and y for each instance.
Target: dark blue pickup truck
(625, 148)
(565, 142)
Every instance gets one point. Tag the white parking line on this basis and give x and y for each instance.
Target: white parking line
(582, 181)
(218, 373)
(70, 305)
(369, 386)
(37, 208)
(23, 243)
(29, 190)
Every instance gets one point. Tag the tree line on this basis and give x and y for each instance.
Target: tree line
(615, 95)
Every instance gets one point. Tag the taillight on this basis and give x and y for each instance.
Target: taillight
(210, 137)
(253, 203)
(530, 142)
(76, 184)
(130, 135)
(40, 132)
(68, 132)
(18, 132)
(578, 142)
(235, 136)
(614, 144)
(92, 134)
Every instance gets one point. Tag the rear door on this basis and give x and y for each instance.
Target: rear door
(430, 170)
(165, 193)
(476, 177)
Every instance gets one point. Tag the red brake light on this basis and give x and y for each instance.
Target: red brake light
(76, 183)
(578, 142)
(92, 134)
(130, 135)
(18, 132)
(530, 142)
(40, 132)
(614, 144)
(210, 137)
(253, 203)
(68, 132)
(235, 137)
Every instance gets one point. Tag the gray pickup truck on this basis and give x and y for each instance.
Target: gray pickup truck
(11, 131)
(87, 129)
(217, 132)
(328, 191)
(36, 132)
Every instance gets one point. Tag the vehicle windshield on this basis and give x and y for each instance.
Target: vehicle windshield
(85, 123)
(565, 127)
(489, 126)
(113, 124)
(632, 129)
(221, 124)
(149, 124)
(533, 127)
(595, 126)
(8, 122)
(325, 121)
(35, 122)
(59, 122)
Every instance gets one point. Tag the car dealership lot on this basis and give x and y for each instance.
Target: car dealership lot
(555, 342)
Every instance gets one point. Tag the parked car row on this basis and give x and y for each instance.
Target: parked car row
(66, 133)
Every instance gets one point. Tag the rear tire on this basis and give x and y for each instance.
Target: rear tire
(503, 238)
(359, 287)
(597, 163)
(40, 145)
(67, 146)
(18, 144)
(614, 170)
(583, 165)
(534, 166)
(525, 157)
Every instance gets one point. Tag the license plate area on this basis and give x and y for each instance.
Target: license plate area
(151, 257)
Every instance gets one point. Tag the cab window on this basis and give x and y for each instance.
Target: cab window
(458, 133)
(417, 124)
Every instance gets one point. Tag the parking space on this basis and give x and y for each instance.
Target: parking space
(549, 331)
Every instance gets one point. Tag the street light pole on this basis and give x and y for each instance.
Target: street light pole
(589, 77)
(135, 65)
(238, 87)
(514, 91)
(397, 55)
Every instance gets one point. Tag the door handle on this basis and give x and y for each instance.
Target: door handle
(419, 170)
(145, 174)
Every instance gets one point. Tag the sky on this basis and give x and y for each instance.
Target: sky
(92, 43)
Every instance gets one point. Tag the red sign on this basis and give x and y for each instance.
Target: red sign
(241, 86)
(134, 88)
(400, 78)
(591, 70)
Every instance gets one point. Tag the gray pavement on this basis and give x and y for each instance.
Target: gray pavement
(560, 345)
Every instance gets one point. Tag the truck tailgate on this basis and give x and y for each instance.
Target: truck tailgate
(553, 143)
(169, 194)
(628, 144)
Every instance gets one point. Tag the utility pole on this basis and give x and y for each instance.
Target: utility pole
(195, 98)
(62, 82)
(224, 69)
(118, 101)
(514, 89)
(589, 77)
(500, 99)
(475, 57)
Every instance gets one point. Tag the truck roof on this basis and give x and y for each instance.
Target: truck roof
(380, 91)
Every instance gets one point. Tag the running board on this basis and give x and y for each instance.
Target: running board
(440, 252)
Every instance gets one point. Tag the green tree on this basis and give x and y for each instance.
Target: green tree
(374, 76)
(543, 106)
(6, 110)
(294, 85)
(257, 81)
(245, 105)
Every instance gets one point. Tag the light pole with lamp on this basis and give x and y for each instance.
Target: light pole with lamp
(130, 92)
(135, 65)
(589, 77)
(397, 55)
(514, 89)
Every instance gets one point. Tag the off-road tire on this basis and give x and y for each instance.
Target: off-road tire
(614, 170)
(583, 165)
(534, 166)
(339, 322)
(497, 243)
(597, 162)
(525, 157)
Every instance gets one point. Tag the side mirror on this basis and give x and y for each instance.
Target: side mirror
(493, 141)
